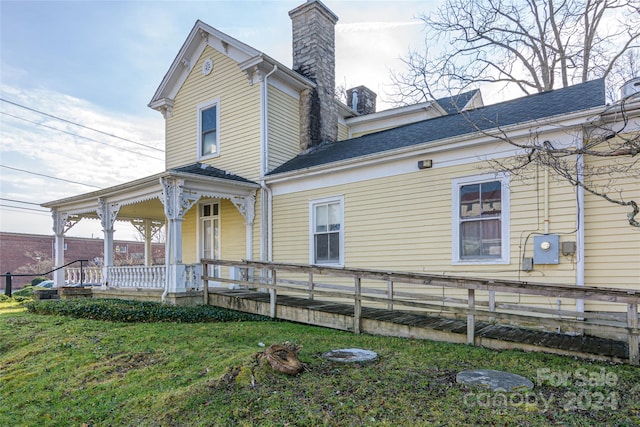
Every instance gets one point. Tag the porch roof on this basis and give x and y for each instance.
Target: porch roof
(146, 192)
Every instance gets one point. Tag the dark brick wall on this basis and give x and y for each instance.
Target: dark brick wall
(18, 250)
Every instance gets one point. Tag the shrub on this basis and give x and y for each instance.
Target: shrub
(138, 311)
(27, 291)
(4, 298)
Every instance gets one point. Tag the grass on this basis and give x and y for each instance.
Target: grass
(63, 371)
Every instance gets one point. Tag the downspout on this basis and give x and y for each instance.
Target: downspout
(546, 201)
(580, 264)
(265, 191)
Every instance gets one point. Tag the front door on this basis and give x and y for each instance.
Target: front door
(210, 233)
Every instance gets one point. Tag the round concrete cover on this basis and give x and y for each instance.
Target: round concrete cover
(350, 355)
(494, 380)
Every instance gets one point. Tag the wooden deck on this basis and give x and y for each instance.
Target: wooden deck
(379, 321)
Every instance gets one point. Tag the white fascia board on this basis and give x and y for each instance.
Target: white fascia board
(265, 64)
(132, 186)
(517, 131)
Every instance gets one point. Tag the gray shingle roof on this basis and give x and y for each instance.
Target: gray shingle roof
(454, 104)
(207, 170)
(529, 108)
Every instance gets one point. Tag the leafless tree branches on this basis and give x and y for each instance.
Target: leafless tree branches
(533, 45)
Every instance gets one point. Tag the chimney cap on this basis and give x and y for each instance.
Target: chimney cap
(317, 4)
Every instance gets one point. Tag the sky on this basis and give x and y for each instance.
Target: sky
(96, 65)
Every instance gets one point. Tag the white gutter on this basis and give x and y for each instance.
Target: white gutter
(265, 191)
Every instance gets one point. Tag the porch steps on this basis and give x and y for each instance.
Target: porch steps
(378, 321)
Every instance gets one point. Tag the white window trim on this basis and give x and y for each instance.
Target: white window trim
(312, 204)
(505, 218)
(201, 107)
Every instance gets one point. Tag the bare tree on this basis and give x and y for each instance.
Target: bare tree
(602, 158)
(533, 45)
(536, 46)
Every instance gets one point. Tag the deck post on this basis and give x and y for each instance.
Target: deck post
(492, 304)
(632, 323)
(390, 294)
(273, 297)
(311, 286)
(357, 307)
(471, 318)
(205, 283)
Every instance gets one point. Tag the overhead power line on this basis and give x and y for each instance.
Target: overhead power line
(19, 201)
(78, 124)
(79, 136)
(49, 176)
(24, 209)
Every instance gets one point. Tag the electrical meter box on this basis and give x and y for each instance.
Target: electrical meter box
(546, 249)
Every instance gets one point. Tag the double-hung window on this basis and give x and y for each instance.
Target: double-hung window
(327, 231)
(208, 129)
(480, 211)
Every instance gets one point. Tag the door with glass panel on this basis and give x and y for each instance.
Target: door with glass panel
(210, 234)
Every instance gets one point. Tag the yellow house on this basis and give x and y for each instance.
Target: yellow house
(263, 163)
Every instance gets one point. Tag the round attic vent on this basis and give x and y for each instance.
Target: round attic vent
(207, 67)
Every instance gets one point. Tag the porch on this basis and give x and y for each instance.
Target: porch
(187, 202)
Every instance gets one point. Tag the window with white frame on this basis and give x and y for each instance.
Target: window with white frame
(327, 231)
(208, 129)
(480, 212)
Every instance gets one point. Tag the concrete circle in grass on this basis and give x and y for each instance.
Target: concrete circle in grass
(494, 380)
(350, 355)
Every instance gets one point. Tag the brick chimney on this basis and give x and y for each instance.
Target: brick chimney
(313, 27)
(362, 100)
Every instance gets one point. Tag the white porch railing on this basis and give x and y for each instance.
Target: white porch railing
(89, 275)
(138, 276)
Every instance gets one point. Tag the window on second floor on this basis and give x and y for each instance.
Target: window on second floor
(208, 129)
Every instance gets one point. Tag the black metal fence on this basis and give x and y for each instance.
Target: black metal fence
(8, 277)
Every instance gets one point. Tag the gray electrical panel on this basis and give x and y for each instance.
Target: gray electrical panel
(546, 249)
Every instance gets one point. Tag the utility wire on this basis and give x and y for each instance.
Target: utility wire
(49, 176)
(19, 201)
(78, 124)
(25, 209)
(21, 211)
(79, 136)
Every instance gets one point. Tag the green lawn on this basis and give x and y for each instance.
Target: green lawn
(62, 371)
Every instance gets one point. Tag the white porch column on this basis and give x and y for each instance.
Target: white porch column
(147, 243)
(176, 204)
(107, 212)
(147, 228)
(62, 222)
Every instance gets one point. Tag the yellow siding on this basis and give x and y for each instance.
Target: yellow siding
(284, 127)
(612, 246)
(232, 232)
(343, 132)
(239, 117)
(189, 236)
(403, 223)
(420, 241)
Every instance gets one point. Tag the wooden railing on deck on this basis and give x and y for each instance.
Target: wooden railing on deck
(265, 275)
